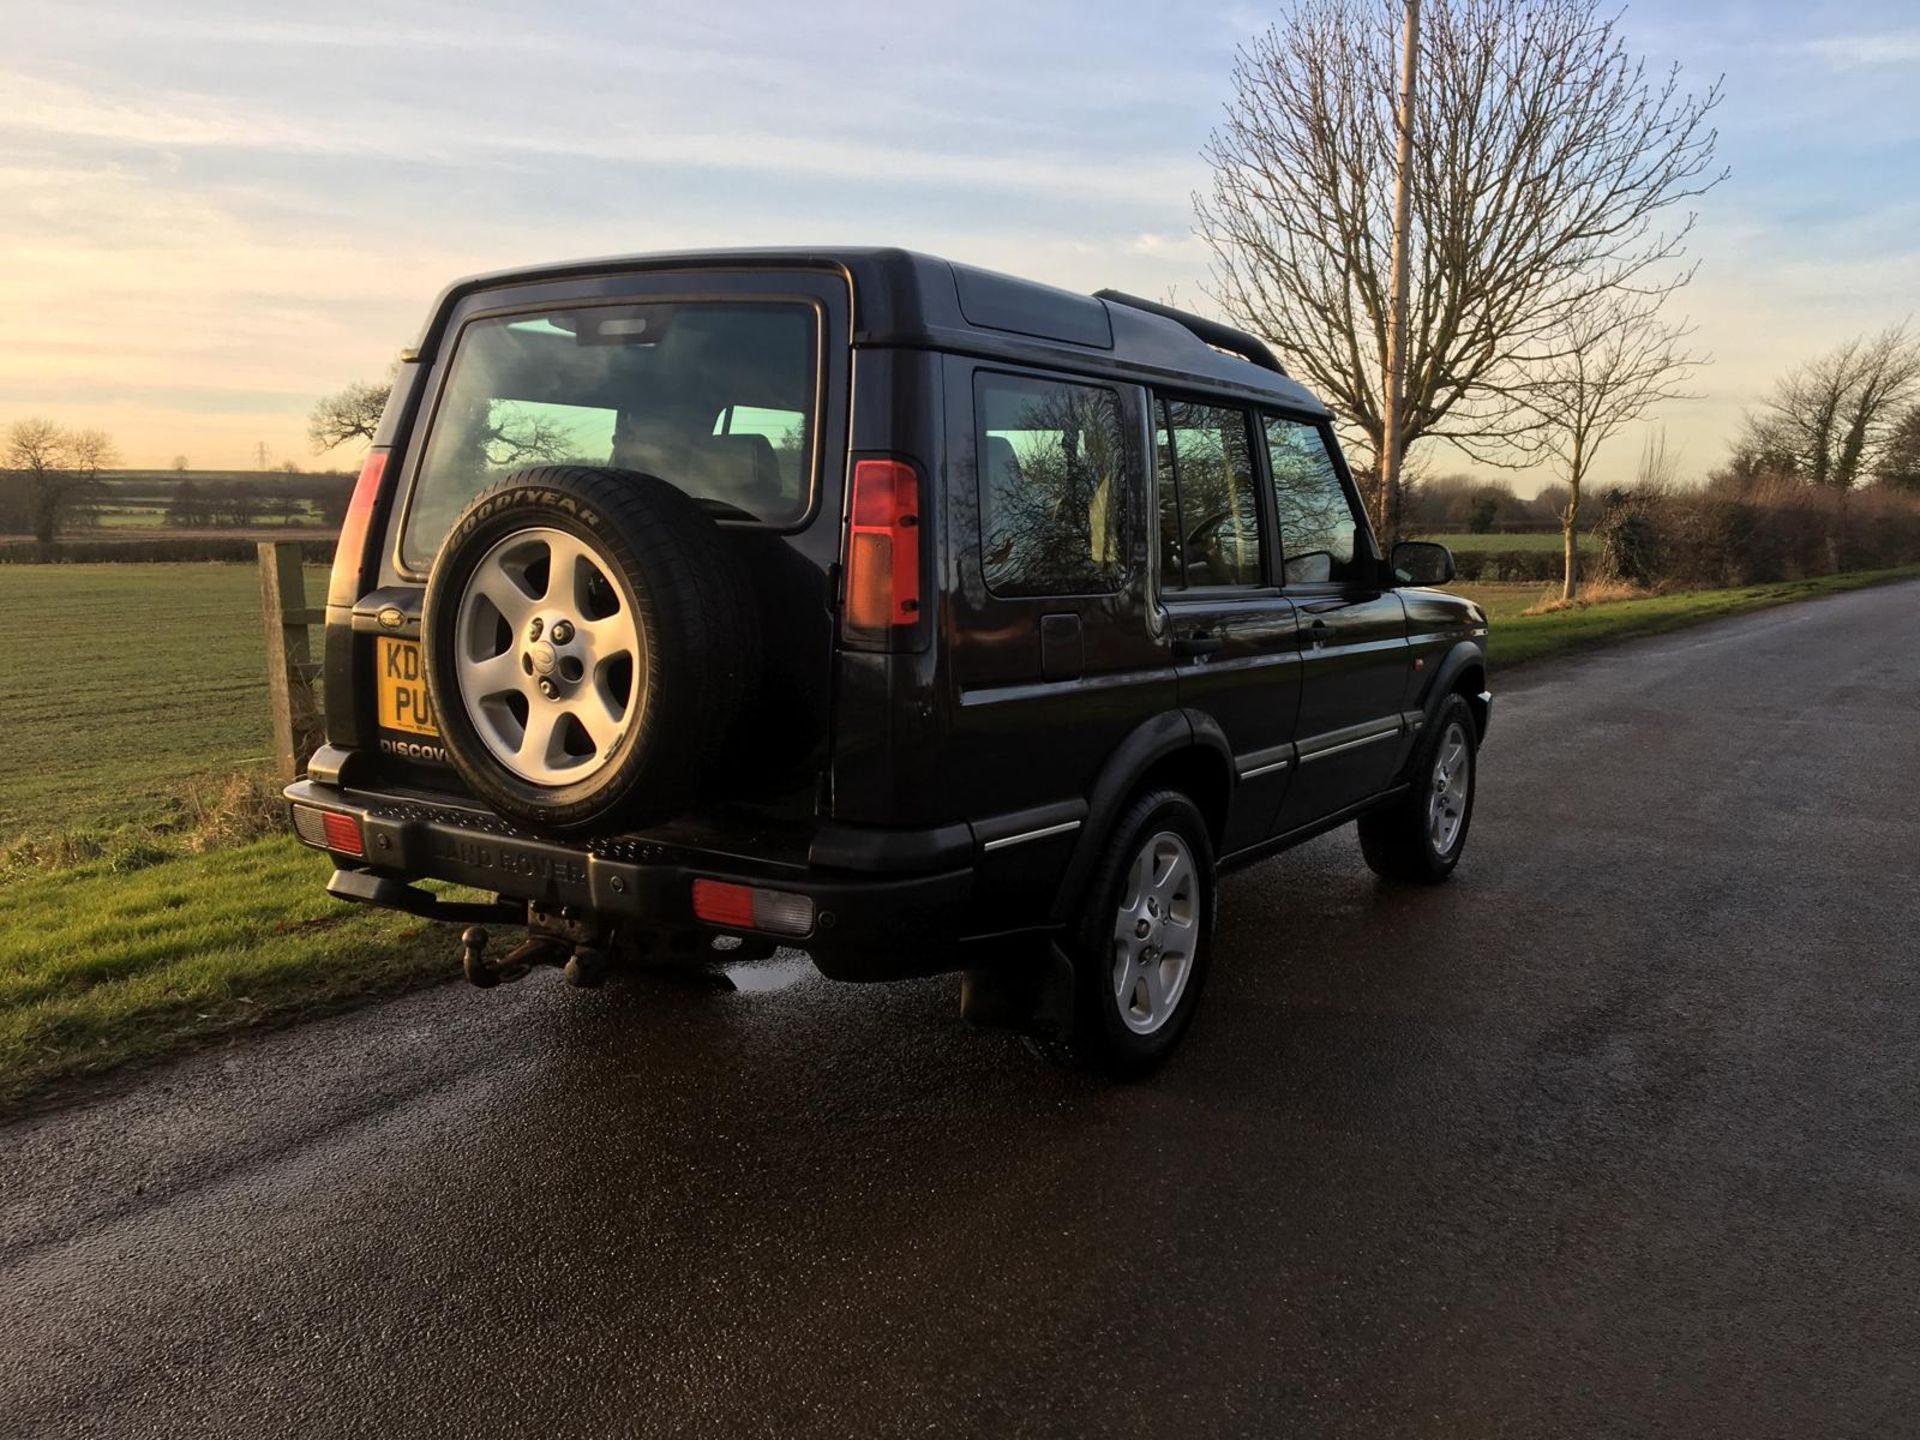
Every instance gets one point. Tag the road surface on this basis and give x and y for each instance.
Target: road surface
(1618, 1134)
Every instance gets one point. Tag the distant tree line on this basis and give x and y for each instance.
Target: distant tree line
(238, 504)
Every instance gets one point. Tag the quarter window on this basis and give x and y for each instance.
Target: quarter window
(1318, 531)
(1053, 486)
(1209, 499)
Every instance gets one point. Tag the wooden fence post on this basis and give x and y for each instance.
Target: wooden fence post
(290, 668)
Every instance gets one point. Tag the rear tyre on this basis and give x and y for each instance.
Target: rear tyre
(1143, 940)
(1421, 837)
(590, 641)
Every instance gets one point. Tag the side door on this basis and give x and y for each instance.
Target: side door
(1231, 631)
(1353, 627)
(1051, 653)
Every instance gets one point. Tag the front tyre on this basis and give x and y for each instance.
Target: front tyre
(1421, 837)
(1143, 940)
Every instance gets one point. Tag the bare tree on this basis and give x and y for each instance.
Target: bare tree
(1612, 363)
(1899, 464)
(1549, 166)
(179, 464)
(1831, 420)
(350, 413)
(61, 468)
(187, 507)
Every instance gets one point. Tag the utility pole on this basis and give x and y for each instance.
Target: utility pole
(1393, 408)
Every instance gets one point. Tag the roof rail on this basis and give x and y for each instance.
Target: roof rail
(1223, 337)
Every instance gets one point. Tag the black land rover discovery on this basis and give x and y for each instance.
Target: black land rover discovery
(917, 617)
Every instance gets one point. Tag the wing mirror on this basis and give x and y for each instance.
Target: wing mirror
(1422, 562)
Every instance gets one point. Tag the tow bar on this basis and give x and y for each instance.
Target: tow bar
(584, 965)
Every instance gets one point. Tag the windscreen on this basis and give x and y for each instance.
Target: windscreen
(714, 397)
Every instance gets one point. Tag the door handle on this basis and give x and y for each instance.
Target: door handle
(1192, 647)
(1316, 634)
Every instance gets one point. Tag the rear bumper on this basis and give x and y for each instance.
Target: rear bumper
(869, 924)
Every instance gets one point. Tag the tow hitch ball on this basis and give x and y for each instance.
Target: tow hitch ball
(586, 965)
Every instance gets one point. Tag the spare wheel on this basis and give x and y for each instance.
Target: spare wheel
(590, 638)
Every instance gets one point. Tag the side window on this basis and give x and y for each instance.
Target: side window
(1319, 536)
(1054, 478)
(1209, 498)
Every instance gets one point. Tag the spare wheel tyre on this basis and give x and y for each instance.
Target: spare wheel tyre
(590, 637)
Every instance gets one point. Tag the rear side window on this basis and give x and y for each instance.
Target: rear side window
(1053, 486)
(1209, 498)
(714, 397)
(1318, 532)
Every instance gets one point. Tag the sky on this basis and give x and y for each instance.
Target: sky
(213, 212)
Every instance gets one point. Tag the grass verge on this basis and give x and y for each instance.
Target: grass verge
(100, 965)
(1515, 638)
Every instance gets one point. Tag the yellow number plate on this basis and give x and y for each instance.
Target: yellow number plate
(403, 688)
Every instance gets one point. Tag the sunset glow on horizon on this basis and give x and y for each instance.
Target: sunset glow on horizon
(209, 217)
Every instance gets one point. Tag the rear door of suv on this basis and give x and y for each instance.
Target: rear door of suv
(1051, 654)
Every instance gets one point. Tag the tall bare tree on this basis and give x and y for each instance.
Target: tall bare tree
(61, 468)
(1612, 362)
(350, 413)
(1549, 166)
(1831, 420)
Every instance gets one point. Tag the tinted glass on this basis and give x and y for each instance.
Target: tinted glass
(1053, 486)
(1318, 533)
(1211, 533)
(716, 398)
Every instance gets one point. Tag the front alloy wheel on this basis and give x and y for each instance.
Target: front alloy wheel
(1449, 787)
(1422, 834)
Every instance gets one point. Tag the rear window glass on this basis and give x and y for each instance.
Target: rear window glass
(716, 398)
(1053, 486)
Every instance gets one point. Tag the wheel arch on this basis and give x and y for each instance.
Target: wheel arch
(1462, 672)
(1181, 749)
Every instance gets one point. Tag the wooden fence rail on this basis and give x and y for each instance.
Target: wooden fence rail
(291, 670)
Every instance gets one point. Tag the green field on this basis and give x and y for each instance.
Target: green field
(120, 682)
(129, 696)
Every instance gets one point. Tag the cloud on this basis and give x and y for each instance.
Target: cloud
(1852, 52)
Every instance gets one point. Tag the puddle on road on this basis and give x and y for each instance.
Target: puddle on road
(762, 977)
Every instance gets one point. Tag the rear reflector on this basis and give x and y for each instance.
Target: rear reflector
(883, 548)
(328, 829)
(746, 907)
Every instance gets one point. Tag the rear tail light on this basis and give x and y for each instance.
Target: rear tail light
(350, 553)
(328, 829)
(883, 550)
(747, 907)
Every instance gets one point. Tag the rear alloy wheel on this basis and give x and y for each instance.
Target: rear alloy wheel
(591, 640)
(1421, 836)
(1141, 951)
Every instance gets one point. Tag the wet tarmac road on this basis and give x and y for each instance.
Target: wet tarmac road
(1618, 1134)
